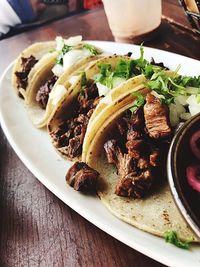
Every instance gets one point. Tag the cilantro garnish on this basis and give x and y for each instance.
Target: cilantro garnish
(65, 49)
(138, 102)
(105, 76)
(83, 83)
(124, 69)
(159, 80)
(92, 49)
(172, 237)
(171, 86)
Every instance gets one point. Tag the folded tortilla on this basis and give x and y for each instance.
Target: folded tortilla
(63, 111)
(38, 116)
(157, 212)
(60, 72)
(41, 53)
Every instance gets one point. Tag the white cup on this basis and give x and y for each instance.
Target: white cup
(133, 20)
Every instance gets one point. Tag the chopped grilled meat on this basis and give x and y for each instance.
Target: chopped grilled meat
(135, 148)
(22, 76)
(129, 54)
(122, 126)
(131, 183)
(42, 95)
(159, 64)
(154, 158)
(135, 125)
(134, 180)
(113, 152)
(69, 136)
(156, 118)
(143, 163)
(89, 97)
(135, 154)
(81, 177)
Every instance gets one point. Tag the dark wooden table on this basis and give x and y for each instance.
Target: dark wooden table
(36, 228)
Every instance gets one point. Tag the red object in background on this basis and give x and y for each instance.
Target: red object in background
(89, 4)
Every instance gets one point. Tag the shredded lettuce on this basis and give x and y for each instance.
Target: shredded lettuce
(172, 237)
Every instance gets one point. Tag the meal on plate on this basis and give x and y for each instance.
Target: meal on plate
(115, 116)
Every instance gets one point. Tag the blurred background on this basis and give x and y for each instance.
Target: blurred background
(17, 16)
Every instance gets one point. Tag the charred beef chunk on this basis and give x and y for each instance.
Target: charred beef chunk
(22, 76)
(154, 158)
(156, 118)
(129, 54)
(159, 64)
(69, 136)
(137, 158)
(135, 148)
(113, 152)
(132, 183)
(42, 95)
(82, 177)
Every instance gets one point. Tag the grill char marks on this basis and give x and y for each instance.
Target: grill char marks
(69, 136)
(22, 76)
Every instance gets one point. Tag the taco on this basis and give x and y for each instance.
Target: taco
(102, 82)
(27, 63)
(129, 152)
(53, 80)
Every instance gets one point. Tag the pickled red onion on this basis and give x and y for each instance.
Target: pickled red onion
(193, 176)
(194, 145)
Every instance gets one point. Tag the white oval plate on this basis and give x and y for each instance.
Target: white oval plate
(34, 148)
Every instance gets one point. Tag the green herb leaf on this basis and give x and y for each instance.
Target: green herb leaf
(52, 50)
(138, 102)
(83, 83)
(92, 49)
(65, 49)
(124, 69)
(172, 237)
(105, 76)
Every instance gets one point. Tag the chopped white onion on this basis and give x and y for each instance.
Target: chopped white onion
(181, 99)
(107, 99)
(59, 43)
(57, 70)
(194, 106)
(73, 79)
(194, 109)
(57, 93)
(192, 90)
(154, 93)
(117, 81)
(191, 100)
(102, 89)
(185, 116)
(73, 41)
(73, 56)
(175, 111)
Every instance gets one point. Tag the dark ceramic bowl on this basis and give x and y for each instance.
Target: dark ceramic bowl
(179, 157)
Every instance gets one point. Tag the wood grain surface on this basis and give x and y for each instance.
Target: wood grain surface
(36, 228)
